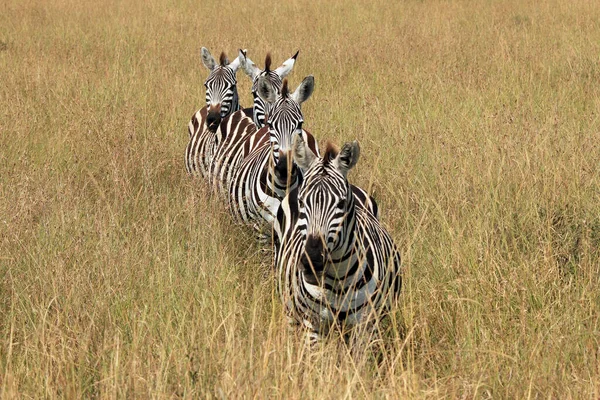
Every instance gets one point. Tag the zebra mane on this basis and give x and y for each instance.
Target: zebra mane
(284, 89)
(268, 62)
(223, 59)
(331, 152)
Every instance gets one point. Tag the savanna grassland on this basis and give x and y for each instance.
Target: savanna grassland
(122, 277)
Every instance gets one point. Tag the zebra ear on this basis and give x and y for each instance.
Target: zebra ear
(266, 91)
(287, 66)
(304, 90)
(303, 155)
(347, 158)
(207, 59)
(248, 65)
(235, 64)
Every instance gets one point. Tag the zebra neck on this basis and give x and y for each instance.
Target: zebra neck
(258, 116)
(347, 247)
(235, 103)
(255, 119)
(279, 188)
(259, 112)
(345, 262)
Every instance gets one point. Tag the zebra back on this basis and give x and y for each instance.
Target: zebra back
(232, 133)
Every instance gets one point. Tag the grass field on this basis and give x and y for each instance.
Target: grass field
(121, 277)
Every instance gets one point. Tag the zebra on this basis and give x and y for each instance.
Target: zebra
(221, 101)
(276, 76)
(336, 265)
(237, 128)
(267, 171)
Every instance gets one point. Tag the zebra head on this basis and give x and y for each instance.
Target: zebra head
(221, 87)
(284, 120)
(325, 205)
(275, 77)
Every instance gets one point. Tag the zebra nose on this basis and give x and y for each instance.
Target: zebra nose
(285, 168)
(313, 257)
(214, 116)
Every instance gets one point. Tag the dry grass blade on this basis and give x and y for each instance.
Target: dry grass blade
(479, 129)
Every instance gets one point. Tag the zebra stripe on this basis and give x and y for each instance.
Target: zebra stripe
(241, 131)
(262, 108)
(267, 171)
(221, 100)
(232, 133)
(262, 180)
(336, 265)
(275, 77)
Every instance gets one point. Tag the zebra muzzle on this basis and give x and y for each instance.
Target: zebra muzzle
(312, 262)
(213, 118)
(285, 169)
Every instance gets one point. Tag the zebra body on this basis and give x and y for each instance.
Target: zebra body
(240, 130)
(261, 181)
(221, 100)
(233, 133)
(336, 264)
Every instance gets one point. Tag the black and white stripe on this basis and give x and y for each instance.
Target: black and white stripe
(267, 171)
(336, 265)
(240, 129)
(221, 100)
(275, 77)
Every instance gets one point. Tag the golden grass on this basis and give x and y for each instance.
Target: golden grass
(479, 126)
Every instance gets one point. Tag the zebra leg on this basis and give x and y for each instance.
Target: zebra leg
(312, 340)
(365, 340)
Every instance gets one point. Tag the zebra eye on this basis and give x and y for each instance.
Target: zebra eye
(299, 125)
(341, 203)
(301, 203)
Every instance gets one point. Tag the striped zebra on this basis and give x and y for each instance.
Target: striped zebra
(260, 107)
(336, 265)
(221, 101)
(267, 171)
(243, 125)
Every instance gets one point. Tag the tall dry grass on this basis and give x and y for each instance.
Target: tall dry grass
(479, 124)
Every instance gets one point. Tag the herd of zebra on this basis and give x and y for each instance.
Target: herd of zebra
(336, 265)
